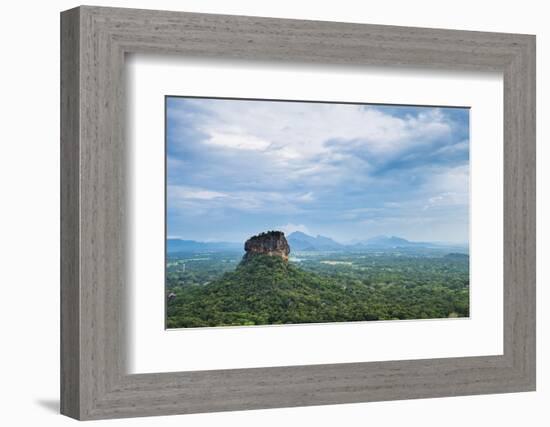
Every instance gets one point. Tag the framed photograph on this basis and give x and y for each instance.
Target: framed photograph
(261, 213)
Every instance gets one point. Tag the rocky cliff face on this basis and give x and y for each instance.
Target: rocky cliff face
(271, 243)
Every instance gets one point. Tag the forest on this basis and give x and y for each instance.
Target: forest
(218, 289)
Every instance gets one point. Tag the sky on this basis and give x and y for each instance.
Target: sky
(346, 171)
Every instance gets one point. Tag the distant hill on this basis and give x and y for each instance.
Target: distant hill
(302, 242)
(387, 242)
(265, 290)
(179, 245)
(299, 241)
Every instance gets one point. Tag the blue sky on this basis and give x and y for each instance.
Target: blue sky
(346, 171)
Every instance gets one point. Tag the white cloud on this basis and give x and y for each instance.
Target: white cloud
(290, 161)
(306, 197)
(356, 213)
(299, 131)
(446, 199)
(455, 179)
(449, 187)
(454, 148)
(202, 201)
(185, 192)
(241, 141)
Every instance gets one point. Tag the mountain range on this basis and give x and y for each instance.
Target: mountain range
(299, 241)
(302, 242)
(180, 245)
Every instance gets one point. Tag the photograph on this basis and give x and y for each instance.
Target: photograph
(293, 212)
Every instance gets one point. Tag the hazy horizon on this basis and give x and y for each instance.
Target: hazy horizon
(344, 171)
(344, 242)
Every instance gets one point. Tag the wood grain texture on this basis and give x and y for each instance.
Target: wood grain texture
(94, 381)
(70, 220)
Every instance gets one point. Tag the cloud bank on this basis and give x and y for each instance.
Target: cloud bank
(348, 171)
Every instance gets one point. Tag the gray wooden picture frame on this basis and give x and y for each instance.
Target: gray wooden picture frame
(94, 381)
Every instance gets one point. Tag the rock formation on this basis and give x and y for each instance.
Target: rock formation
(271, 243)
